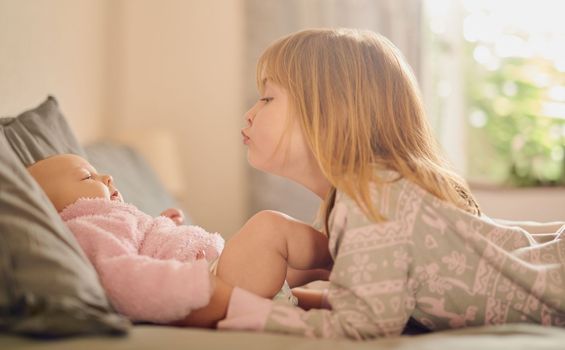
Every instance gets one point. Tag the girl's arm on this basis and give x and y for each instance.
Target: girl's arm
(541, 231)
(368, 299)
(533, 227)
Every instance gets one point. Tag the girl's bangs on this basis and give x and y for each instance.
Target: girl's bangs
(270, 67)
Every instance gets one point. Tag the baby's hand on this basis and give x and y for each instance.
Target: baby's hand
(174, 214)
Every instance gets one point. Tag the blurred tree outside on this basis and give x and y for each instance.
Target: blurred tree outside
(514, 85)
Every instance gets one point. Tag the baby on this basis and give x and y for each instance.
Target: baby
(141, 260)
(153, 269)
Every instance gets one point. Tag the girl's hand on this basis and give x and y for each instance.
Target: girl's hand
(174, 214)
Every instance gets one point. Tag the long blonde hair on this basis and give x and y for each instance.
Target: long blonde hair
(358, 105)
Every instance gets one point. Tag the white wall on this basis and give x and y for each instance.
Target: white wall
(56, 47)
(119, 65)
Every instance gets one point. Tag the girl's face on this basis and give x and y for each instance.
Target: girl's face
(270, 149)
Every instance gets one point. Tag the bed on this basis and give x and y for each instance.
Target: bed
(50, 297)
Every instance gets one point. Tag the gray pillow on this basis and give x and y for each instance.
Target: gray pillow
(40, 132)
(47, 285)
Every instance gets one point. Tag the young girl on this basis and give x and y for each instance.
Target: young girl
(340, 113)
(157, 270)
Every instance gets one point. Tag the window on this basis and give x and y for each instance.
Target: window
(494, 85)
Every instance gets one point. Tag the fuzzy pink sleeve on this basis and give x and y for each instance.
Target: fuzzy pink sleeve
(142, 288)
(160, 291)
(165, 240)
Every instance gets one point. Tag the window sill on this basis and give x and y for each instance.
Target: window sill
(515, 203)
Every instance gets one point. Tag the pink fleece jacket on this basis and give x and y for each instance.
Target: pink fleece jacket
(147, 265)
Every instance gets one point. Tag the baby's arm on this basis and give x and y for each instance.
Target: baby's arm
(163, 239)
(257, 257)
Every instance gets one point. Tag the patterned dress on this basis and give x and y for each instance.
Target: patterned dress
(429, 261)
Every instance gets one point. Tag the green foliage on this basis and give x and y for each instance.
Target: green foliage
(517, 143)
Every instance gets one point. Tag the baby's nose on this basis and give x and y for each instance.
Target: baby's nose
(107, 179)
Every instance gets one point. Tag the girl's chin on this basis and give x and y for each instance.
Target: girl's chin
(260, 164)
(257, 166)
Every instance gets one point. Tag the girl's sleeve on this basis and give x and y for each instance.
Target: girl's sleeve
(370, 293)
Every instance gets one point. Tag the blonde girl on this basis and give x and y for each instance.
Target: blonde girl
(340, 113)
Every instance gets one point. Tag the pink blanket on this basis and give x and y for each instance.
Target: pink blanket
(147, 265)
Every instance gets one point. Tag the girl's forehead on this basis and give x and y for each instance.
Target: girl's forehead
(270, 85)
(264, 82)
(266, 79)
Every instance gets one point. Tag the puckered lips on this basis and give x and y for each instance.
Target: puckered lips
(245, 137)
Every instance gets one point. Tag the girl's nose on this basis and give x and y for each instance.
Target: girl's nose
(250, 115)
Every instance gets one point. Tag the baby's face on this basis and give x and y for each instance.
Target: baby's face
(67, 177)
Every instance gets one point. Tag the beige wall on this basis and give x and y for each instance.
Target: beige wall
(180, 67)
(119, 65)
(56, 47)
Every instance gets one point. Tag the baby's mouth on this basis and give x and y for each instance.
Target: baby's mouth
(115, 195)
